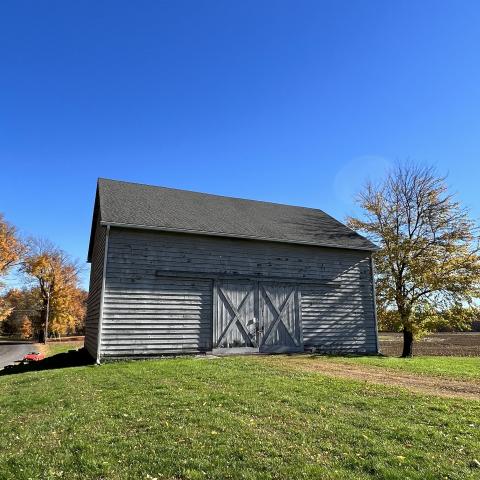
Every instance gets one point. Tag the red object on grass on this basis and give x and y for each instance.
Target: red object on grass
(34, 357)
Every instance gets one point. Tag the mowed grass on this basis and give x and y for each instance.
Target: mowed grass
(227, 418)
(53, 348)
(460, 368)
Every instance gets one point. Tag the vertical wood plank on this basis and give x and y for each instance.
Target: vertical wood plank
(215, 315)
(299, 315)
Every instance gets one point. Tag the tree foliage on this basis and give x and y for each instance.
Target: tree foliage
(5, 309)
(66, 318)
(20, 304)
(11, 247)
(11, 251)
(428, 265)
(26, 329)
(57, 278)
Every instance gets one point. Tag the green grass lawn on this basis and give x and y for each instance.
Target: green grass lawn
(53, 348)
(460, 368)
(227, 418)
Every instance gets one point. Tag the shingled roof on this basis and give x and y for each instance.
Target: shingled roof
(158, 208)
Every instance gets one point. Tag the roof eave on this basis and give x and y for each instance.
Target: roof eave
(95, 222)
(226, 235)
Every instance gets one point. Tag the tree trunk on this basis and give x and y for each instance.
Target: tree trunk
(46, 320)
(43, 320)
(407, 343)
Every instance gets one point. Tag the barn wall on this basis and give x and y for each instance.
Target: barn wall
(339, 320)
(156, 316)
(95, 291)
(149, 309)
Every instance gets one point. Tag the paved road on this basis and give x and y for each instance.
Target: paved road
(12, 351)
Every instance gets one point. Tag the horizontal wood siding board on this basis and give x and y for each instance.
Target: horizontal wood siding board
(158, 293)
(174, 340)
(139, 353)
(168, 309)
(187, 333)
(140, 277)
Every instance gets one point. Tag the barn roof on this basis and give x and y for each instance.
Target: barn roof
(158, 208)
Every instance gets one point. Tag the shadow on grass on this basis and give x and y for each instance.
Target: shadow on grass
(72, 358)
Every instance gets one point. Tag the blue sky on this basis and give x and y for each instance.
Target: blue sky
(288, 101)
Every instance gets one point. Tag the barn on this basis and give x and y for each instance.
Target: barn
(176, 272)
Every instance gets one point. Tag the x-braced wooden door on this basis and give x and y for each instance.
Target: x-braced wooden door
(235, 321)
(279, 311)
(256, 317)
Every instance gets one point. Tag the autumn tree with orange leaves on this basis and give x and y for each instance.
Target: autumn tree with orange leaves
(11, 247)
(20, 304)
(57, 277)
(26, 327)
(12, 250)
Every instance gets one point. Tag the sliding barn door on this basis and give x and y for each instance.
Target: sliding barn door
(279, 311)
(251, 316)
(235, 324)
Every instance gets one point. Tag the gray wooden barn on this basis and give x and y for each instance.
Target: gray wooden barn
(175, 271)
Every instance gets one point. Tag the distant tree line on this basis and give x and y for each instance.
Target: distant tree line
(51, 301)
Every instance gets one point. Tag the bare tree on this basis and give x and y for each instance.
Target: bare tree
(428, 265)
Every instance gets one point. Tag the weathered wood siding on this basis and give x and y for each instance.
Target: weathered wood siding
(158, 296)
(95, 292)
(339, 320)
(155, 316)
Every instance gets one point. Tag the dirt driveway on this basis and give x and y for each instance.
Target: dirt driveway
(431, 385)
